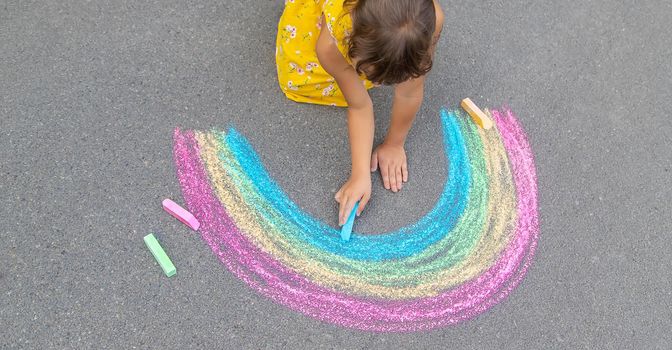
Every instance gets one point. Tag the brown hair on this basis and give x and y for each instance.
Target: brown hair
(391, 39)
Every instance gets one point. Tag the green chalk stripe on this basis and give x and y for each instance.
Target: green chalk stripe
(160, 255)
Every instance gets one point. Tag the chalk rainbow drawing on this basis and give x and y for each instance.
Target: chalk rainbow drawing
(464, 256)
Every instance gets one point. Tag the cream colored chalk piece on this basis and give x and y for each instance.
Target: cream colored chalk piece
(476, 114)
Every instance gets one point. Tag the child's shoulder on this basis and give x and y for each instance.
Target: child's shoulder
(337, 19)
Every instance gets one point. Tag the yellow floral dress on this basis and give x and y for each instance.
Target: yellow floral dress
(300, 74)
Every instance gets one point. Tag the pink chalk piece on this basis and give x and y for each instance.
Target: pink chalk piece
(181, 214)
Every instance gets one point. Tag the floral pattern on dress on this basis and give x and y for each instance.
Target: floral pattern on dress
(300, 75)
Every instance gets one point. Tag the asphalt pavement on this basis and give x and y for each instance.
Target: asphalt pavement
(91, 91)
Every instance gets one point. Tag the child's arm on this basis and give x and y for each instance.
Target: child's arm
(390, 156)
(360, 124)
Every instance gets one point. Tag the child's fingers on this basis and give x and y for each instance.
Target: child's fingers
(374, 161)
(337, 196)
(341, 209)
(346, 211)
(346, 207)
(393, 178)
(362, 203)
(399, 178)
(404, 172)
(386, 178)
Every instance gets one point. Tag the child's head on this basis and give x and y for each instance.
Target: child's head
(391, 39)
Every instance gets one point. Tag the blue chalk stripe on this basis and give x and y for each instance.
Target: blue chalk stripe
(401, 243)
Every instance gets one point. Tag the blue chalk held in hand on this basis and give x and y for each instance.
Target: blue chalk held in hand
(346, 230)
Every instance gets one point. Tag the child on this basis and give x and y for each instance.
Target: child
(331, 51)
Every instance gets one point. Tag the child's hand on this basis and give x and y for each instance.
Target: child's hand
(357, 188)
(391, 159)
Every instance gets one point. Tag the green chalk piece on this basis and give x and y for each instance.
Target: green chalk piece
(160, 255)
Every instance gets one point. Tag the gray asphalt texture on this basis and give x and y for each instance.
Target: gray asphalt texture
(91, 91)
